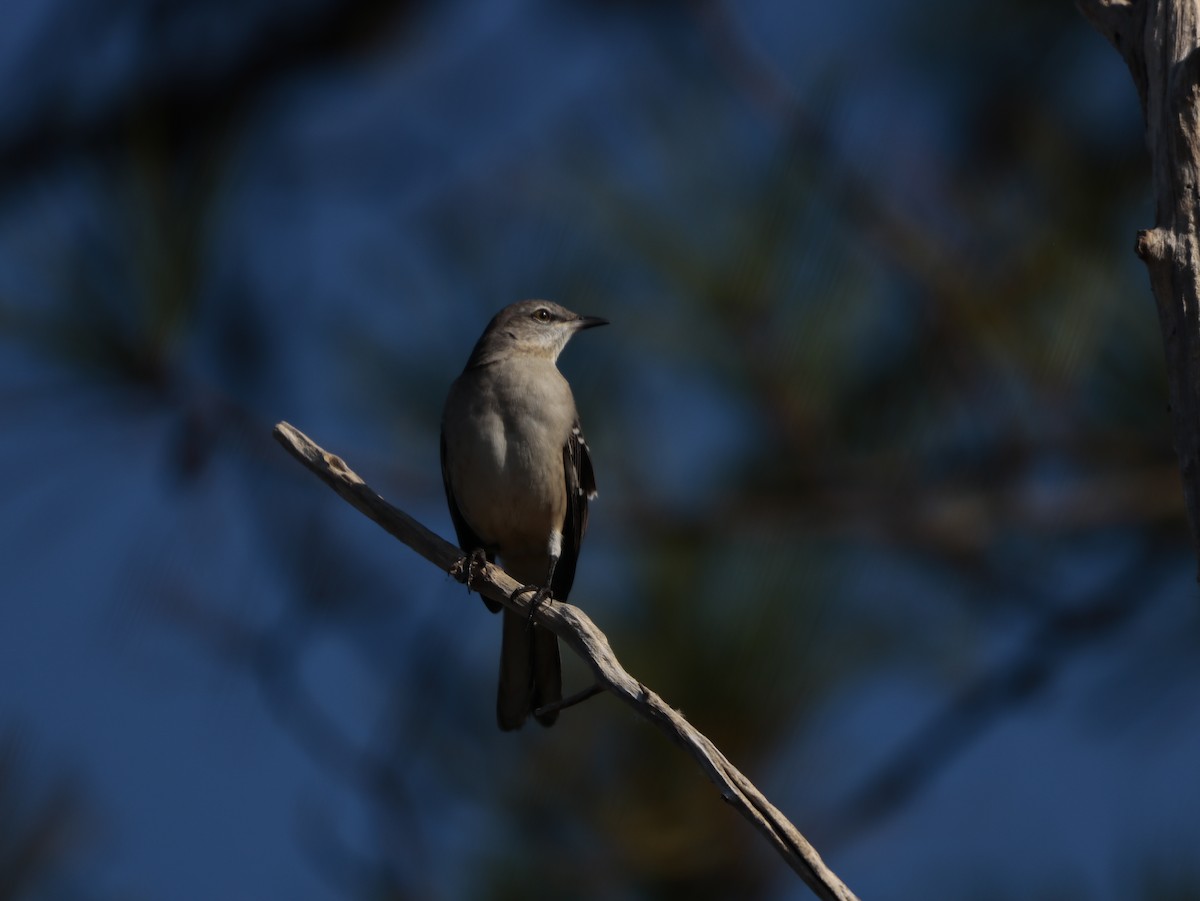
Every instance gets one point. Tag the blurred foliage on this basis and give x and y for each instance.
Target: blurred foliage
(911, 377)
(40, 827)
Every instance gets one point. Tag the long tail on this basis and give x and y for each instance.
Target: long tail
(530, 672)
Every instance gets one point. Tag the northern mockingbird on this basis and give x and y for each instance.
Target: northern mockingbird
(518, 480)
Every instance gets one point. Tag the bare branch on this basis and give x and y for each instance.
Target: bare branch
(573, 626)
(578, 698)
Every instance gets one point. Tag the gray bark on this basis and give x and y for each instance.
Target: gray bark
(1159, 40)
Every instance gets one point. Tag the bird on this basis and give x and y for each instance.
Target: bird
(518, 478)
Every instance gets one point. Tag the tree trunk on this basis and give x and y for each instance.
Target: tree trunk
(1160, 40)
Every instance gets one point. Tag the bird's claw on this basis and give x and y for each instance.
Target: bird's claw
(541, 594)
(468, 567)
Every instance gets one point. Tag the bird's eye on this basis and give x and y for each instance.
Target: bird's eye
(541, 314)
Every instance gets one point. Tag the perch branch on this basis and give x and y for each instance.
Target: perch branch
(571, 625)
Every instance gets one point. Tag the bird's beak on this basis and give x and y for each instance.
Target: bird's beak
(589, 322)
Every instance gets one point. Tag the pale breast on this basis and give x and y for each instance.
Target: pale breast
(505, 459)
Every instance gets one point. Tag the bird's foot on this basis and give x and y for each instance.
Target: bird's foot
(541, 594)
(468, 567)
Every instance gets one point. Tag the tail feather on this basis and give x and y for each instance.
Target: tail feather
(547, 673)
(530, 672)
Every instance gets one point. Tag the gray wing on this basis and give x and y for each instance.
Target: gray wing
(467, 539)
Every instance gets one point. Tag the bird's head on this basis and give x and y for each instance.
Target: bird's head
(536, 328)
